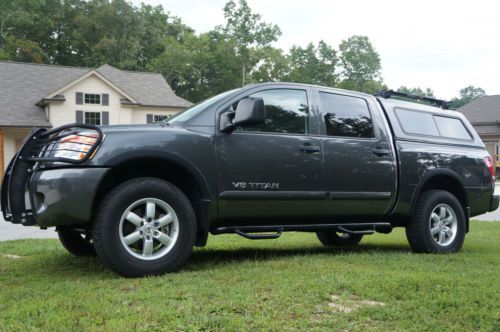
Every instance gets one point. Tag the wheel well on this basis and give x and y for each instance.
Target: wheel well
(163, 169)
(446, 183)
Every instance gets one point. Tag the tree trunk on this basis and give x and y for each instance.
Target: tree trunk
(243, 75)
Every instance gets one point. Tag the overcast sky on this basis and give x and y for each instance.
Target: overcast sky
(442, 44)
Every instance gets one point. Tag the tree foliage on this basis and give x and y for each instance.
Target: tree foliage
(359, 62)
(467, 95)
(247, 33)
(313, 65)
(417, 91)
(239, 51)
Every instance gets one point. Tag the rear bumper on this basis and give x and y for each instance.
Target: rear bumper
(64, 196)
(495, 201)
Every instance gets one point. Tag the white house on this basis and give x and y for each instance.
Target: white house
(34, 95)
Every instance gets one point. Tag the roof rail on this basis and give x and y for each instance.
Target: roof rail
(433, 101)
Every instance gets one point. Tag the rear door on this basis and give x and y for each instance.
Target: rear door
(271, 173)
(360, 167)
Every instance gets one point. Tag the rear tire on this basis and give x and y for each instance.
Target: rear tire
(438, 224)
(334, 239)
(144, 226)
(76, 243)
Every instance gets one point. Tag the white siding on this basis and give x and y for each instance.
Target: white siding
(65, 112)
(12, 138)
(139, 114)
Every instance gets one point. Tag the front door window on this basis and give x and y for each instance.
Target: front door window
(287, 112)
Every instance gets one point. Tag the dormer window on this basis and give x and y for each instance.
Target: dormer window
(92, 98)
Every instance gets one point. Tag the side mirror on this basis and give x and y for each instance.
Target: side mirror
(250, 111)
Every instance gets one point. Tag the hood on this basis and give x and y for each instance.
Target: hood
(139, 127)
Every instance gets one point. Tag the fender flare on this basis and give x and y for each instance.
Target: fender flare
(167, 157)
(440, 172)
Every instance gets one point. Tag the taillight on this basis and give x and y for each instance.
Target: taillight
(491, 167)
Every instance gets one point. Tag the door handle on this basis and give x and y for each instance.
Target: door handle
(310, 148)
(381, 152)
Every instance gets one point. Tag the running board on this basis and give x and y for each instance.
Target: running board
(356, 228)
(258, 236)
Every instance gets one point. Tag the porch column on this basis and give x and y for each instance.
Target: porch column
(2, 165)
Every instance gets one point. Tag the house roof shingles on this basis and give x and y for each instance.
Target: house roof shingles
(149, 89)
(484, 114)
(23, 85)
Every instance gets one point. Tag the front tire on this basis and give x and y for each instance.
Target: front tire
(77, 243)
(334, 239)
(145, 226)
(438, 224)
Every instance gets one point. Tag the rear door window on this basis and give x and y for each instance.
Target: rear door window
(346, 116)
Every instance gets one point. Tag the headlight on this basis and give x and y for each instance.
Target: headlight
(73, 144)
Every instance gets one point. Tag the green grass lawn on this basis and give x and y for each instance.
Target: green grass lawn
(236, 284)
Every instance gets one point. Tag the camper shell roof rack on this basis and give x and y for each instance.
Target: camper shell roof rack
(433, 101)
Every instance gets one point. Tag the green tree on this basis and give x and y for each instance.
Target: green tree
(273, 66)
(417, 91)
(359, 63)
(313, 65)
(26, 29)
(467, 95)
(197, 67)
(248, 33)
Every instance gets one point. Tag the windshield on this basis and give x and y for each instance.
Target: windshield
(196, 109)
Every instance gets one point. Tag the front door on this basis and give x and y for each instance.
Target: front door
(360, 169)
(271, 173)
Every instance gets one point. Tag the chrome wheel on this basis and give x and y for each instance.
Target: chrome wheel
(149, 228)
(443, 224)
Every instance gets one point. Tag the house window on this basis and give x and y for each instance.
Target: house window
(92, 118)
(92, 98)
(159, 118)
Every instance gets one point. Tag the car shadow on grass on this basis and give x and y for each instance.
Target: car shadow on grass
(208, 258)
(63, 266)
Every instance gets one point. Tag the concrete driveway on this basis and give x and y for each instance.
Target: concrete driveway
(10, 231)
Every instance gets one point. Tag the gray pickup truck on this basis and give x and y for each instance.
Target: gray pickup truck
(255, 161)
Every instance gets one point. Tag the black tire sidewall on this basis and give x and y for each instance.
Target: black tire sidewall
(74, 243)
(108, 244)
(331, 238)
(428, 202)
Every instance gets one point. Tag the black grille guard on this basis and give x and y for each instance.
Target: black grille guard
(32, 153)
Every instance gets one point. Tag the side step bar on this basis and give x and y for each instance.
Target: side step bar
(258, 236)
(355, 228)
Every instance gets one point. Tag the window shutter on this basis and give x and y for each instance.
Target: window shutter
(79, 116)
(105, 118)
(79, 98)
(105, 99)
(149, 118)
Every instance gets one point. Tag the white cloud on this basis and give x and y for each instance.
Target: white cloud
(445, 45)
